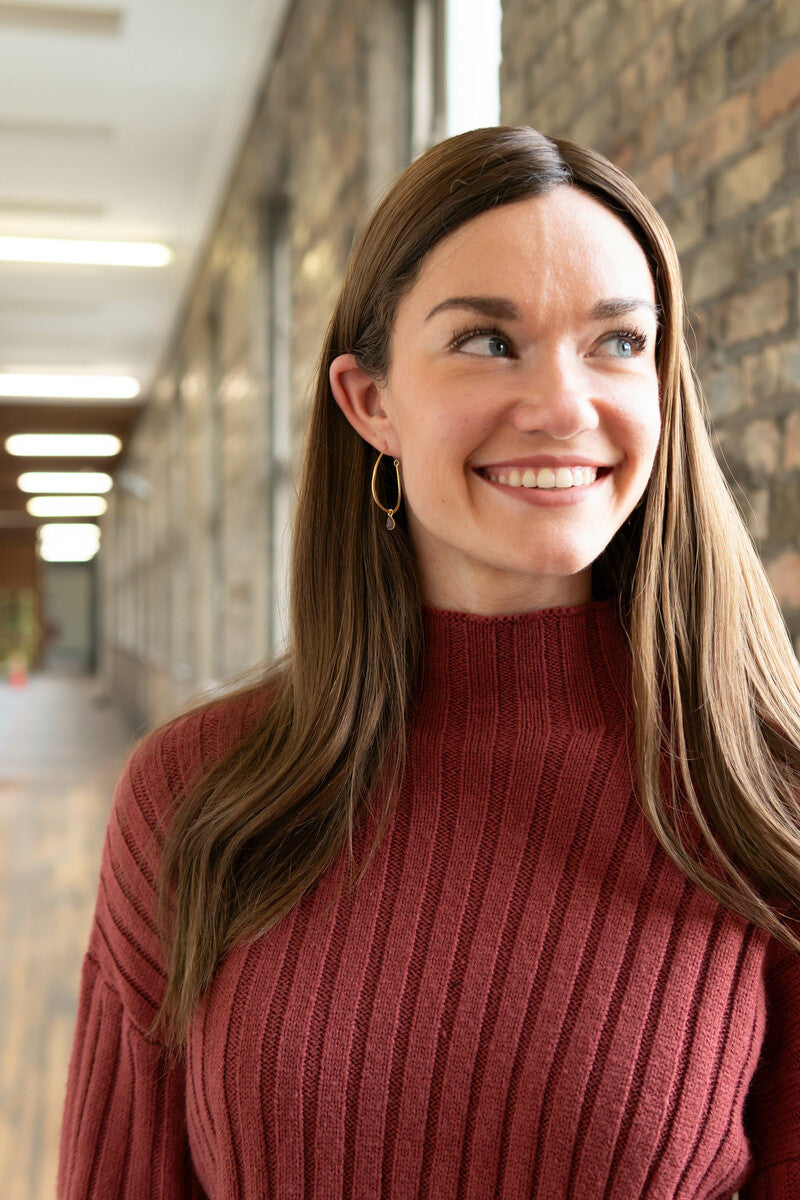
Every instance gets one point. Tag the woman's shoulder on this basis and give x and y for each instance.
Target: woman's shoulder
(171, 758)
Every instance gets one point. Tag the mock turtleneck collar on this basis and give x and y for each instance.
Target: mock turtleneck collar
(555, 665)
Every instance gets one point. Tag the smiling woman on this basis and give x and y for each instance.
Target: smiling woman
(493, 423)
(490, 888)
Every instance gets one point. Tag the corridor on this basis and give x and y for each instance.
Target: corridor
(62, 744)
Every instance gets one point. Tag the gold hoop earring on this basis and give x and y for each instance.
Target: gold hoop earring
(389, 511)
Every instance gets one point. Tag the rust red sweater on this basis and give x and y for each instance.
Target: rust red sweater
(524, 998)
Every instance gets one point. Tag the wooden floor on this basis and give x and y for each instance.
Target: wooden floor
(61, 748)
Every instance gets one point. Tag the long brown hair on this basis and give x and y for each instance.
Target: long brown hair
(716, 685)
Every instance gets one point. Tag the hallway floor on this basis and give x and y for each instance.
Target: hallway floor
(61, 749)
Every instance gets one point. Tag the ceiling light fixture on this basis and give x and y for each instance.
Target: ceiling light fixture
(68, 543)
(68, 387)
(67, 506)
(77, 252)
(63, 445)
(75, 482)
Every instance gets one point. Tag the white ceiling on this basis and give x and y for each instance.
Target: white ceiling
(119, 123)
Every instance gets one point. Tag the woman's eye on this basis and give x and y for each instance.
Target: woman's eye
(628, 344)
(486, 345)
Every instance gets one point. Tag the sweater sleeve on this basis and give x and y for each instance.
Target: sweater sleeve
(124, 1132)
(772, 1110)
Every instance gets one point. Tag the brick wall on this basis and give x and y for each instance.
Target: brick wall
(700, 102)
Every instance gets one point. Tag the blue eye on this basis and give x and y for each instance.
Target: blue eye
(485, 343)
(631, 342)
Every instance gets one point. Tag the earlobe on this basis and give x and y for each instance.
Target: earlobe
(359, 398)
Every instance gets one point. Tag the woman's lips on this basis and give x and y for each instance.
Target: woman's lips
(546, 496)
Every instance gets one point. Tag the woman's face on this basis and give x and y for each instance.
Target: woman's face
(522, 402)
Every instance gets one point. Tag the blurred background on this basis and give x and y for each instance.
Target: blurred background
(180, 184)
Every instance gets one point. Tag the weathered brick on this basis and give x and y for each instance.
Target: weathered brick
(629, 86)
(717, 266)
(591, 127)
(791, 443)
(783, 573)
(548, 67)
(779, 92)
(621, 152)
(760, 375)
(707, 325)
(760, 447)
(688, 221)
(657, 179)
(722, 386)
(786, 17)
(757, 513)
(778, 233)
(747, 46)
(648, 133)
(748, 181)
(788, 368)
(674, 109)
(784, 510)
(588, 27)
(759, 311)
(707, 78)
(658, 60)
(715, 138)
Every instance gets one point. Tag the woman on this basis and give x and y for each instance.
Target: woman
(488, 889)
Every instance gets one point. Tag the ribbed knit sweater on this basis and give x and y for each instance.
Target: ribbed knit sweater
(524, 998)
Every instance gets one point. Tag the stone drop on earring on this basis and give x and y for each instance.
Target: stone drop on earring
(390, 522)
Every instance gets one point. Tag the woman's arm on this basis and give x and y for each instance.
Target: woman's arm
(124, 1133)
(772, 1110)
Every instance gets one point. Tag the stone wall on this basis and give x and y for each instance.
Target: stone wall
(699, 100)
(189, 534)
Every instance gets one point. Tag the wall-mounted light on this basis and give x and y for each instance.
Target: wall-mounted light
(68, 387)
(67, 506)
(68, 543)
(75, 482)
(63, 445)
(80, 252)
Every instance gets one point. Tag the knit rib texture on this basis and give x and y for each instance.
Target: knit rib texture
(523, 999)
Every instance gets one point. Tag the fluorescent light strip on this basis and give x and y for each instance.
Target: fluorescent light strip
(67, 506)
(76, 252)
(68, 543)
(69, 387)
(74, 482)
(63, 445)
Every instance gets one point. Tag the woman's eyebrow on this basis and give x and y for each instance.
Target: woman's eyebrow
(489, 306)
(605, 310)
(498, 307)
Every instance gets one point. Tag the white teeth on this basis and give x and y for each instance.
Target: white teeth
(545, 477)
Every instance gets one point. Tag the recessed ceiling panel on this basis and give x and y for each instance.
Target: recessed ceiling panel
(60, 18)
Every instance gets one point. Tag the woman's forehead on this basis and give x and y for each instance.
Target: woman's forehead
(563, 242)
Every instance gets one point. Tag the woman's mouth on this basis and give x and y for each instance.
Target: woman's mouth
(544, 477)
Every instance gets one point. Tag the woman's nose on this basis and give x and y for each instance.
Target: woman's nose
(555, 397)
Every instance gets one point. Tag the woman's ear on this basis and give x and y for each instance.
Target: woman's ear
(361, 401)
